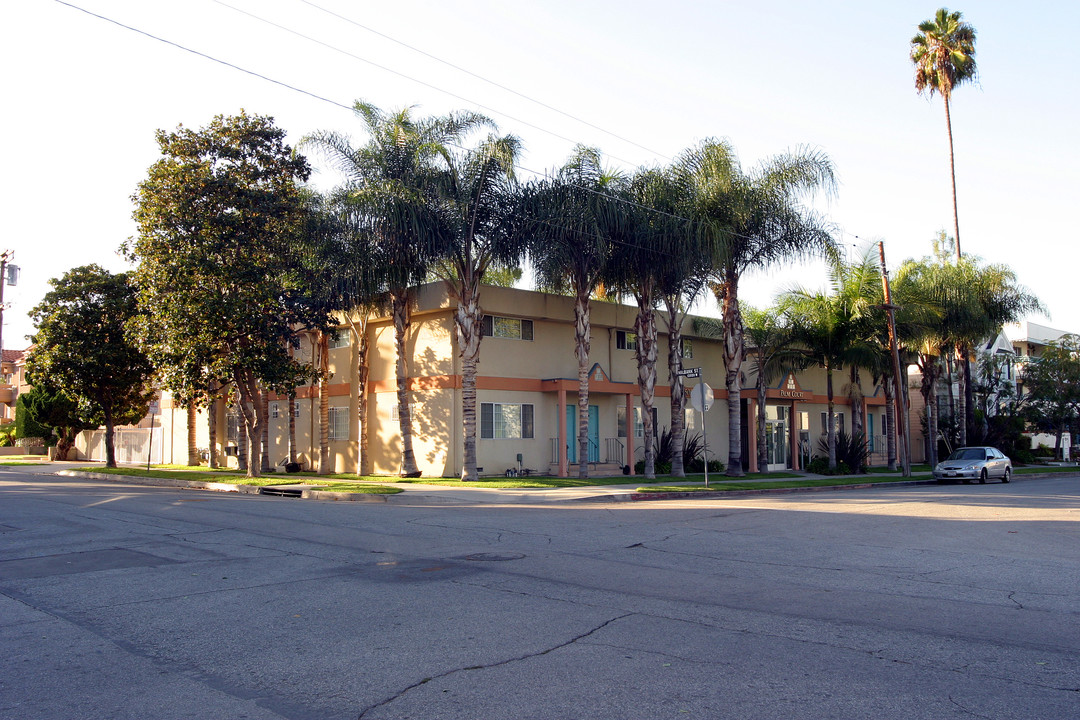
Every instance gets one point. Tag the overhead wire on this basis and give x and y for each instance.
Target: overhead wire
(350, 108)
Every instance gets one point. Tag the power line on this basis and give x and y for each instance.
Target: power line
(605, 195)
(406, 77)
(484, 79)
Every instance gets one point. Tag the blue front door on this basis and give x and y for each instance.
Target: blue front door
(572, 429)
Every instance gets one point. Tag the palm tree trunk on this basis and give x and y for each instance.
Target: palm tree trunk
(582, 329)
(929, 393)
(645, 325)
(292, 427)
(969, 399)
(830, 422)
(678, 393)
(324, 403)
(400, 309)
(733, 356)
(360, 334)
(961, 399)
(192, 444)
(264, 435)
(856, 397)
(467, 323)
(762, 443)
(952, 174)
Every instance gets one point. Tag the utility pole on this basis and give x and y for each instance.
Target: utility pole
(5, 259)
(901, 406)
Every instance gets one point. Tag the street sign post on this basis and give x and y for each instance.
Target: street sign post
(701, 399)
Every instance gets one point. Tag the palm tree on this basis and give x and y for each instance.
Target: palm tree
(943, 53)
(752, 220)
(392, 179)
(477, 202)
(569, 252)
(771, 344)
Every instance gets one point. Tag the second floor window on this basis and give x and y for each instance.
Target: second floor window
(625, 340)
(504, 327)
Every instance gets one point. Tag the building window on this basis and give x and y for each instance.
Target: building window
(688, 413)
(395, 412)
(339, 339)
(639, 425)
(504, 327)
(275, 411)
(232, 428)
(506, 420)
(625, 340)
(686, 348)
(296, 408)
(339, 423)
(838, 418)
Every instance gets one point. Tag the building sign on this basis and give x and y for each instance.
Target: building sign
(790, 389)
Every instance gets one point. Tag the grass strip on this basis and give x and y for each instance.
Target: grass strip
(781, 484)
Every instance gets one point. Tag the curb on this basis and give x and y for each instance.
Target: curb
(221, 487)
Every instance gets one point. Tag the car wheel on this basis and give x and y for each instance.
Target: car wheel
(1007, 476)
(982, 476)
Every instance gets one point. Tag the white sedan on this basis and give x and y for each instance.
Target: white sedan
(970, 463)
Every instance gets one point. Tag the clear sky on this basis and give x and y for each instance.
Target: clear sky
(641, 81)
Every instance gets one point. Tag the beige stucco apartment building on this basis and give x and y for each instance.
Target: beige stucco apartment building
(526, 396)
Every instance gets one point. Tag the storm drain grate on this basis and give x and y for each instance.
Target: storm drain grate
(282, 492)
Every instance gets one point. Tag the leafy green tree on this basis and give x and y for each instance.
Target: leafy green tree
(45, 411)
(1052, 385)
(943, 52)
(82, 345)
(221, 275)
(752, 220)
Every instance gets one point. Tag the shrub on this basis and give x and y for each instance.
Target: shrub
(851, 450)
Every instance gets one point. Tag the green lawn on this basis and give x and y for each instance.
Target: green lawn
(750, 485)
(1034, 469)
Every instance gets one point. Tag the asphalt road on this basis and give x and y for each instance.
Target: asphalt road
(916, 602)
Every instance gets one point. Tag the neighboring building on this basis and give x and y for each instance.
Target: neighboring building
(12, 374)
(1029, 341)
(526, 396)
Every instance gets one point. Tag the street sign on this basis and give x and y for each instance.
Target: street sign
(701, 397)
(690, 372)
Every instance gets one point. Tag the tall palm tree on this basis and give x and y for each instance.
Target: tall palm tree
(477, 200)
(752, 220)
(943, 53)
(569, 251)
(392, 178)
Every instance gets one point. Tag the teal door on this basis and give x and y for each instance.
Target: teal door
(594, 433)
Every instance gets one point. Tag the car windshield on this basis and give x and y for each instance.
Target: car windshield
(968, 454)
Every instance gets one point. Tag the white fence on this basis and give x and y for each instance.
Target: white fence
(132, 445)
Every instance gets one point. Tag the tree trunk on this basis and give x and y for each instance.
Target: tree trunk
(110, 448)
(211, 427)
(359, 330)
(264, 436)
(969, 400)
(292, 427)
(65, 440)
(952, 175)
(324, 403)
(468, 326)
(251, 411)
(242, 440)
(856, 397)
(582, 330)
(678, 393)
(929, 393)
(193, 459)
(645, 325)
(961, 395)
(733, 356)
(890, 422)
(762, 442)
(402, 316)
(830, 422)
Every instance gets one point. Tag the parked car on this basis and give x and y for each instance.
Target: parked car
(969, 463)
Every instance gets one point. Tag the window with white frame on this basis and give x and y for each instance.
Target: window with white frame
(689, 413)
(339, 423)
(506, 327)
(506, 420)
(340, 340)
(686, 348)
(275, 410)
(395, 412)
(639, 424)
(296, 408)
(625, 340)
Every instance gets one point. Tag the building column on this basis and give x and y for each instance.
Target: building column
(751, 434)
(795, 427)
(564, 462)
(630, 427)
